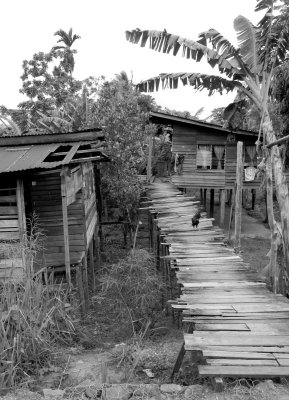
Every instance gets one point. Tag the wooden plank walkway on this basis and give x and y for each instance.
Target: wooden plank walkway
(238, 328)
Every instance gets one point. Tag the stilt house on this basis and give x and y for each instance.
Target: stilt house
(53, 178)
(206, 154)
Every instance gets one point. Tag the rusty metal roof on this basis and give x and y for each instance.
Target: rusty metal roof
(19, 158)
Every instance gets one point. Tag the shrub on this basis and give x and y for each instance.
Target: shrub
(131, 290)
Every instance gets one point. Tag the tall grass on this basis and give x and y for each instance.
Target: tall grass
(33, 318)
(131, 291)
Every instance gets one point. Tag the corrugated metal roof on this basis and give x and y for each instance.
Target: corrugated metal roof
(158, 117)
(19, 158)
(25, 157)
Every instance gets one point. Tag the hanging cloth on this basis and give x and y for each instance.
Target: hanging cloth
(251, 150)
(219, 152)
(204, 156)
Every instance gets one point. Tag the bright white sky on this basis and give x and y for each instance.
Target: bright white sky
(27, 26)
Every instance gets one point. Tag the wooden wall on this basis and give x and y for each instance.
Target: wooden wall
(185, 142)
(11, 263)
(89, 198)
(82, 217)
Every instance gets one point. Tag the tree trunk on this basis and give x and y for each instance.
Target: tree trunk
(282, 191)
(273, 269)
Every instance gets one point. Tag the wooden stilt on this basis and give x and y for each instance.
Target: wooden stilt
(222, 206)
(212, 202)
(91, 266)
(205, 199)
(231, 217)
(179, 361)
(64, 173)
(218, 384)
(85, 280)
(80, 288)
(253, 198)
(149, 163)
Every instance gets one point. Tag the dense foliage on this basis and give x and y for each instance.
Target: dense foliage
(123, 114)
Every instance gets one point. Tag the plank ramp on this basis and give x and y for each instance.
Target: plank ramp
(238, 327)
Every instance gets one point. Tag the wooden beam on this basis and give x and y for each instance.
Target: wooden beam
(278, 142)
(22, 224)
(64, 172)
(238, 197)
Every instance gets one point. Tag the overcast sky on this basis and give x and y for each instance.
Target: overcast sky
(27, 26)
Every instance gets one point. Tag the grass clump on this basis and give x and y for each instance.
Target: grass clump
(33, 318)
(130, 291)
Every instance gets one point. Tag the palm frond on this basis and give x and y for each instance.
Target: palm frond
(165, 42)
(67, 38)
(58, 47)
(273, 34)
(11, 124)
(219, 43)
(247, 36)
(264, 4)
(199, 81)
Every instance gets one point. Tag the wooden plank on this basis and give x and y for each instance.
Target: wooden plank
(64, 172)
(9, 223)
(238, 355)
(242, 371)
(283, 362)
(22, 222)
(251, 349)
(8, 199)
(246, 339)
(249, 362)
(7, 210)
(221, 327)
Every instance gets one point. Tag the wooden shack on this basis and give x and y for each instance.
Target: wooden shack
(51, 179)
(206, 154)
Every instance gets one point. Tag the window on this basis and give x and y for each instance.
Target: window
(250, 156)
(210, 156)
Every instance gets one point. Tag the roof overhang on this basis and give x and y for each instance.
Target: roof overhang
(163, 118)
(21, 153)
(85, 135)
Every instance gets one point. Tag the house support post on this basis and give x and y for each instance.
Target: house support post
(98, 206)
(86, 244)
(150, 155)
(253, 198)
(212, 202)
(91, 265)
(80, 288)
(205, 198)
(28, 267)
(238, 197)
(222, 206)
(64, 173)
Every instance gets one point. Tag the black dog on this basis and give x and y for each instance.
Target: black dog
(196, 219)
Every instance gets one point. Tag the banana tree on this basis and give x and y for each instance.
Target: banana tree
(249, 68)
